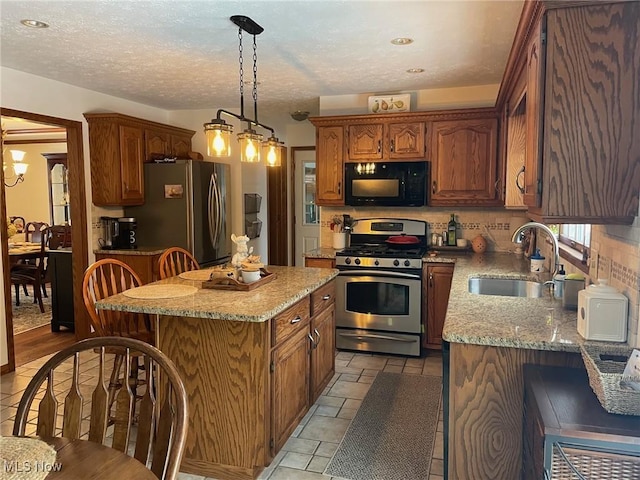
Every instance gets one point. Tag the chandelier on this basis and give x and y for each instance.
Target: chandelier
(218, 132)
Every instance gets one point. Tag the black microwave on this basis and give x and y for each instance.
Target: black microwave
(389, 184)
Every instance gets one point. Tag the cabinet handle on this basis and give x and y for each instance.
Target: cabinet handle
(520, 172)
(326, 297)
(295, 320)
(496, 186)
(339, 187)
(393, 147)
(315, 330)
(433, 187)
(126, 187)
(313, 342)
(379, 146)
(431, 279)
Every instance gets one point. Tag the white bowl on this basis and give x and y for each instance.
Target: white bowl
(461, 242)
(250, 276)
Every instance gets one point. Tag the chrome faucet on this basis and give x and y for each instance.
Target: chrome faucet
(518, 236)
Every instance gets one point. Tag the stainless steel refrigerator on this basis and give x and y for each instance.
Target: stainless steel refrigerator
(186, 206)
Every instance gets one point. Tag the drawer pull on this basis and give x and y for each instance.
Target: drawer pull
(295, 320)
(326, 297)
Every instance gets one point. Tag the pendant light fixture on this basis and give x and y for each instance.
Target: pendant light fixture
(218, 132)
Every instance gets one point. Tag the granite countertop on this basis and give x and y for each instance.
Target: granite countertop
(532, 323)
(258, 305)
(322, 252)
(132, 251)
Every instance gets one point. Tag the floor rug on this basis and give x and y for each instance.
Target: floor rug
(392, 435)
(28, 316)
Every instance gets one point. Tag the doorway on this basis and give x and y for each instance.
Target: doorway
(306, 213)
(77, 201)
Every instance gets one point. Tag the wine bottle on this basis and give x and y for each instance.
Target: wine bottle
(451, 229)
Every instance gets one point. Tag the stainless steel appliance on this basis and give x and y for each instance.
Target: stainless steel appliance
(379, 287)
(110, 233)
(399, 184)
(127, 233)
(186, 206)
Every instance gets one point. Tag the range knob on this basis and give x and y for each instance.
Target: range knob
(377, 262)
(347, 261)
(357, 261)
(396, 263)
(407, 263)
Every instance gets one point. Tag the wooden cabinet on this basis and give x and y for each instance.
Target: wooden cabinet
(323, 328)
(320, 262)
(145, 264)
(464, 162)
(386, 141)
(582, 111)
(436, 286)
(330, 165)
(515, 137)
(60, 272)
(119, 145)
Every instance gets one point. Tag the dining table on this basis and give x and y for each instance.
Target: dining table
(24, 251)
(75, 459)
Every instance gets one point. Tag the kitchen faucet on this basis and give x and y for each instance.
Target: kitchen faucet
(518, 237)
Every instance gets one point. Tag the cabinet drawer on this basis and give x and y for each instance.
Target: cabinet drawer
(323, 297)
(290, 321)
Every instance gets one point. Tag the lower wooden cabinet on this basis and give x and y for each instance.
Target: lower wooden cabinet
(436, 286)
(323, 351)
(320, 262)
(145, 264)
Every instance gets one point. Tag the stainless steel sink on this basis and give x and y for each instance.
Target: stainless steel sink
(505, 287)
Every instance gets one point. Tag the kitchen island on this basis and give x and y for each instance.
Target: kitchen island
(253, 362)
(489, 339)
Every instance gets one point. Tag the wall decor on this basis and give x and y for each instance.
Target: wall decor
(389, 103)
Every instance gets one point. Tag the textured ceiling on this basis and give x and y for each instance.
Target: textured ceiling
(184, 54)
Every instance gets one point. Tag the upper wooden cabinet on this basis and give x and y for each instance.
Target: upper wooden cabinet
(514, 134)
(386, 141)
(582, 160)
(119, 145)
(464, 162)
(330, 165)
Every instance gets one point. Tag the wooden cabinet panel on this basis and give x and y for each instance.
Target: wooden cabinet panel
(365, 141)
(131, 165)
(180, 146)
(320, 262)
(406, 140)
(290, 386)
(146, 266)
(436, 287)
(290, 321)
(157, 144)
(463, 162)
(323, 351)
(330, 165)
(515, 149)
(323, 297)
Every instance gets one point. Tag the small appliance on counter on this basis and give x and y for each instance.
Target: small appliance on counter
(110, 233)
(127, 237)
(602, 313)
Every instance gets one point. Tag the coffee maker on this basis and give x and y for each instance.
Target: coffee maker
(110, 233)
(127, 233)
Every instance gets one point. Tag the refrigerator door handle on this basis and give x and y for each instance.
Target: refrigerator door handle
(212, 200)
(221, 209)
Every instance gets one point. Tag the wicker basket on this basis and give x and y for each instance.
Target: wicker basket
(605, 375)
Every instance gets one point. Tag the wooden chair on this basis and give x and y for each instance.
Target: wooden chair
(176, 260)
(156, 439)
(59, 236)
(33, 231)
(31, 273)
(101, 280)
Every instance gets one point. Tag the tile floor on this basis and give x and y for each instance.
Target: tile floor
(314, 441)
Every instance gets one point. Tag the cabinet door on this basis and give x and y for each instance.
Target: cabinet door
(319, 262)
(146, 266)
(438, 285)
(131, 161)
(533, 157)
(290, 386)
(180, 146)
(365, 141)
(330, 165)
(323, 351)
(463, 162)
(406, 140)
(516, 138)
(156, 144)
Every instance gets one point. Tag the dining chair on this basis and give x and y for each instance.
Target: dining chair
(103, 279)
(59, 236)
(156, 436)
(175, 260)
(32, 273)
(33, 231)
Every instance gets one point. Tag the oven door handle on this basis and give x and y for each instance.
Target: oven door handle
(377, 273)
(376, 336)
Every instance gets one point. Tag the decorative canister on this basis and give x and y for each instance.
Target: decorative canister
(339, 240)
(479, 244)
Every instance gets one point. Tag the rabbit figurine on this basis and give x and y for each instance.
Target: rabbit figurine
(242, 251)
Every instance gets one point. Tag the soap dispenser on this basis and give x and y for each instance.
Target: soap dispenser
(537, 262)
(558, 282)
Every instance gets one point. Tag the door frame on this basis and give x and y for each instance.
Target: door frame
(294, 150)
(78, 202)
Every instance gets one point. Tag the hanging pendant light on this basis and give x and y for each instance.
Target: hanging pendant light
(218, 132)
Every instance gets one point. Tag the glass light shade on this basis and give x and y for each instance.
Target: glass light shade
(20, 168)
(17, 155)
(272, 152)
(218, 135)
(249, 146)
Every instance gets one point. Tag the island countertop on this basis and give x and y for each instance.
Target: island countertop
(500, 321)
(258, 305)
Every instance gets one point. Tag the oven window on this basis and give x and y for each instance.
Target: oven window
(377, 298)
(376, 188)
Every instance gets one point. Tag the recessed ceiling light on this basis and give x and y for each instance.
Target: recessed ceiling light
(415, 70)
(34, 24)
(402, 41)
